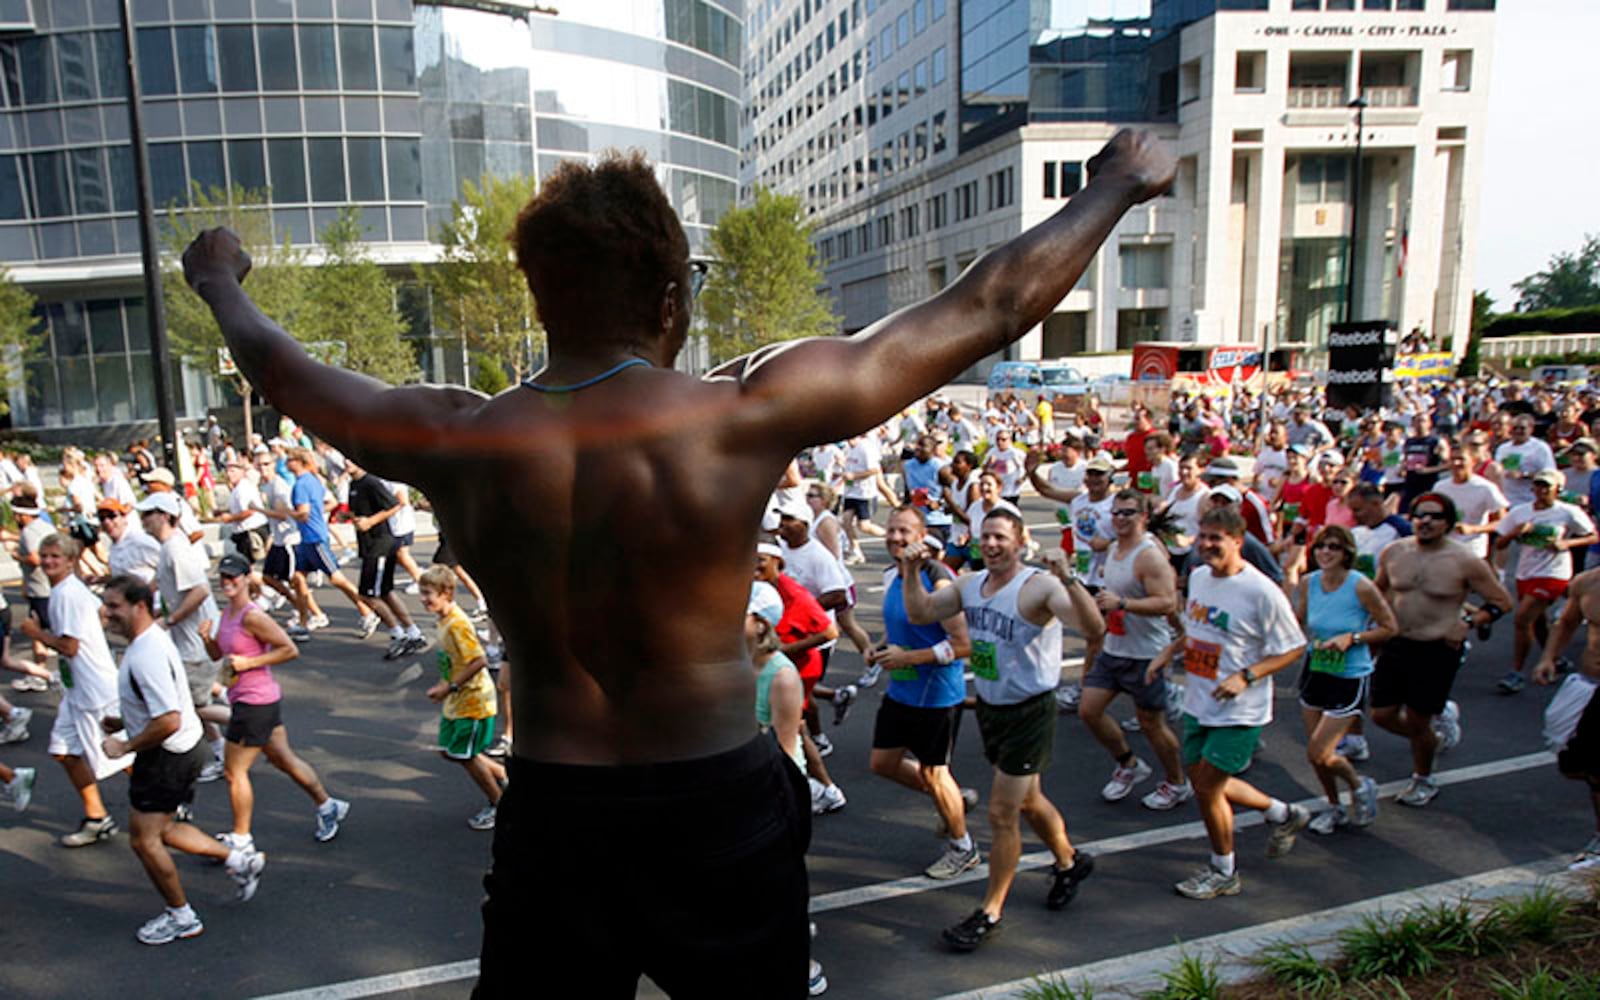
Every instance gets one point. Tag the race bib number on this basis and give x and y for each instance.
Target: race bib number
(1512, 462)
(1367, 566)
(1542, 536)
(1327, 660)
(1147, 482)
(1081, 561)
(1291, 513)
(66, 674)
(1117, 623)
(1063, 516)
(1391, 459)
(903, 674)
(984, 662)
(1201, 658)
(442, 660)
(1415, 461)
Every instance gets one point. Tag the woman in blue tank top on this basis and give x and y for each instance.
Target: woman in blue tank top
(1343, 613)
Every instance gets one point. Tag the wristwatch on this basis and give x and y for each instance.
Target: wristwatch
(454, 687)
(1248, 675)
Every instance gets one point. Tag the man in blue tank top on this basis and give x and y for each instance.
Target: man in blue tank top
(920, 714)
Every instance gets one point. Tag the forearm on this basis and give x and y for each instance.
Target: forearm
(1273, 664)
(192, 599)
(468, 672)
(151, 735)
(810, 642)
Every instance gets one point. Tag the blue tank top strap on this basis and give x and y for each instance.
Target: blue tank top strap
(586, 383)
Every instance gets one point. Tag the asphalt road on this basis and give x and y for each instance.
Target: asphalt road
(398, 890)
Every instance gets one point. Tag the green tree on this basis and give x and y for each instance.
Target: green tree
(276, 282)
(1482, 313)
(350, 301)
(763, 288)
(1571, 280)
(478, 291)
(18, 325)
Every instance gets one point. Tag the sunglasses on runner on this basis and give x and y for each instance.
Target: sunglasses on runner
(1126, 512)
(1428, 515)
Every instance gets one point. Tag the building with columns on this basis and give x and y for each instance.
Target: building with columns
(921, 133)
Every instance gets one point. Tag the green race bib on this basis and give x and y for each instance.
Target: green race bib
(1391, 459)
(1147, 481)
(1367, 566)
(1291, 512)
(443, 661)
(903, 674)
(984, 664)
(1512, 462)
(66, 674)
(1542, 536)
(1327, 660)
(1063, 516)
(1082, 561)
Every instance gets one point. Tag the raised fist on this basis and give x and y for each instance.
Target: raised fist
(1137, 158)
(215, 252)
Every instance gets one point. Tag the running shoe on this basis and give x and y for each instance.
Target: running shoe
(1208, 883)
(477, 615)
(1175, 695)
(1589, 857)
(19, 790)
(416, 644)
(969, 802)
(368, 625)
(398, 647)
(1366, 803)
(1065, 881)
(248, 875)
(843, 699)
(413, 588)
(870, 675)
(1512, 683)
(953, 862)
(1123, 779)
(1447, 726)
(317, 621)
(816, 982)
(16, 727)
(329, 815)
(237, 841)
(1068, 696)
(483, 819)
(830, 799)
(824, 745)
(972, 932)
(168, 928)
(212, 771)
(298, 632)
(1353, 747)
(30, 683)
(499, 749)
(1282, 840)
(1418, 793)
(1168, 796)
(91, 831)
(183, 814)
(1329, 820)
(1131, 724)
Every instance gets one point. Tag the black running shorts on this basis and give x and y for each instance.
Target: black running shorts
(725, 917)
(162, 780)
(252, 725)
(929, 733)
(1417, 674)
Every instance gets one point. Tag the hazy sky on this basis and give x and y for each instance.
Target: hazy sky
(1543, 149)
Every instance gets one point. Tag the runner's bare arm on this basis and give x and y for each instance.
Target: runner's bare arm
(1385, 625)
(1154, 571)
(1486, 583)
(1070, 602)
(829, 388)
(357, 414)
(921, 606)
(1566, 628)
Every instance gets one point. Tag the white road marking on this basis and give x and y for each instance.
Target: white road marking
(456, 971)
(1137, 974)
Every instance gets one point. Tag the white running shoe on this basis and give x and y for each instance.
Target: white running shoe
(1068, 696)
(870, 675)
(1123, 779)
(329, 816)
(829, 799)
(1366, 803)
(248, 875)
(824, 745)
(1354, 748)
(167, 928)
(816, 982)
(30, 683)
(953, 862)
(212, 771)
(1418, 793)
(1328, 820)
(317, 621)
(1447, 727)
(19, 790)
(1168, 796)
(1589, 857)
(368, 625)
(237, 841)
(16, 727)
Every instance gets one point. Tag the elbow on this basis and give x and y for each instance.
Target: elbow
(1094, 630)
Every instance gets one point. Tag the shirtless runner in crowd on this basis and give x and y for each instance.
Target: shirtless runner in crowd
(634, 711)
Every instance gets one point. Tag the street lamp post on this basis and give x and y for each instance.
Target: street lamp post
(1351, 266)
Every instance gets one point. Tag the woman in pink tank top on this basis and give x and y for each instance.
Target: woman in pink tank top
(249, 644)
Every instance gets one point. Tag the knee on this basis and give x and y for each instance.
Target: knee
(1004, 817)
(1322, 760)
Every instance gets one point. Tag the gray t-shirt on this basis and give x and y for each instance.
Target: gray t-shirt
(182, 568)
(34, 582)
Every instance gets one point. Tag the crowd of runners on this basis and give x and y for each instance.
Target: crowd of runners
(1361, 552)
(108, 566)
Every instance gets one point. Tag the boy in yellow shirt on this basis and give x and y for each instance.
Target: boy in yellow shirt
(464, 691)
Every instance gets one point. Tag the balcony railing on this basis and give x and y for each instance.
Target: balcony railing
(1390, 97)
(1317, 97)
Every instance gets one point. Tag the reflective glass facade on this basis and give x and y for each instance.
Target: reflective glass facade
(381, 104)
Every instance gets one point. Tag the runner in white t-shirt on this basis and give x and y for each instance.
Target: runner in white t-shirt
(88, 682)
(1479, 503)
(863, 464)
(1548, 530)
(1238, 630)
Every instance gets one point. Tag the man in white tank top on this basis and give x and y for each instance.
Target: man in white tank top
(1014, 616)
(1138, 597)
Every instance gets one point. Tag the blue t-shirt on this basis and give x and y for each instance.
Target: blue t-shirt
(920, 475)
(926, 685)
(1594, 502)
(308, 490)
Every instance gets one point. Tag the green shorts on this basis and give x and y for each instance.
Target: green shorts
(464, 739)
(1227, 748)
(1018, 739)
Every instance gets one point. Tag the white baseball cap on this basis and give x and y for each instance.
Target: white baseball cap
(765, 602)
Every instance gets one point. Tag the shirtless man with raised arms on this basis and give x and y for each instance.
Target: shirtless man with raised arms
(633, 713)
(1426, 579)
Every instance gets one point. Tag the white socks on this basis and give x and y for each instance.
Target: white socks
(1277, 812)
(1223, 863)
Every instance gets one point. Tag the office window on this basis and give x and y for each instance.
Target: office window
(939, 65)
(279, 68)
(1050, 172)
(109, 65)
(903, 89)
(1137, 325)
(319, 66)
(286, 157)
(919, 16)
(120, 160)
(1000, 188)
(405, 169)
(886, 43)
(366, 168)
(885, 231)
(910, 222)
(197, 59)
(936, 210)
(236, 55)
(1457, 69)
(167, 181)
(902, 30)
(938, 9)
(919, 78)
(1071, 179)
(247, 166)
(1250, 72)
(356, 54)
(1143, 266)
(396, 63)
(205, 165)
(76, 62)
(89, 182)
(940, 140)
(11, 204)
(157, 74)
